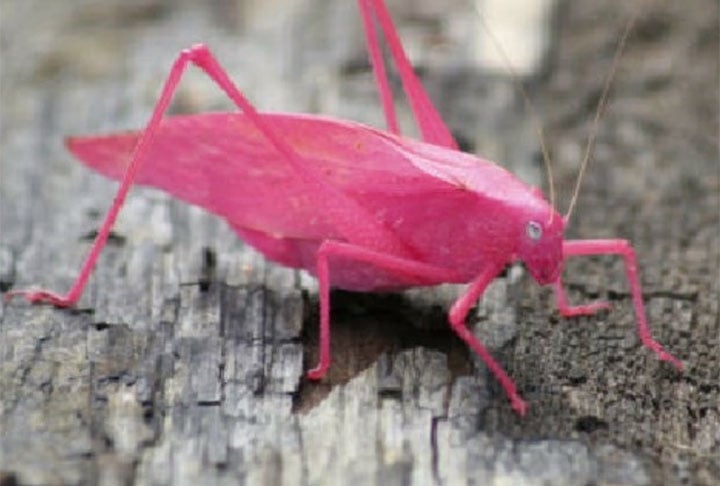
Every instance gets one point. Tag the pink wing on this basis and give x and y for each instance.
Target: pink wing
(427, 196)
(221, 162)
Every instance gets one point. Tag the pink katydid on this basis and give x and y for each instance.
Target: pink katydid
(360, 208)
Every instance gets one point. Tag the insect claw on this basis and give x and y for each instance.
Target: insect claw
(673, 360)
(665, 356)
(317, 373)
(519, 405)
(662, 354)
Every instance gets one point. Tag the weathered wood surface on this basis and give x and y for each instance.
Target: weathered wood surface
(184, 361)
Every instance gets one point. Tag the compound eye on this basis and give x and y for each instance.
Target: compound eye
(534, 230)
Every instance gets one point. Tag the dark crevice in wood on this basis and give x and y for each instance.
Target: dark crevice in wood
(8, 478)
(390, 393)
(208, 403)
(687, 297)
(8, 263)
(114, 238)
(208, 268)
(434, 448)
(590, 424)
(355, 66)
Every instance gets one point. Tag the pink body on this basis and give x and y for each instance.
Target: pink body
(360, 208)
(445, 207)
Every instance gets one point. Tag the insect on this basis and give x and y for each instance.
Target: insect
(360, 208)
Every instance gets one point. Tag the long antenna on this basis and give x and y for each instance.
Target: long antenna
(526, 99)
(602, 105)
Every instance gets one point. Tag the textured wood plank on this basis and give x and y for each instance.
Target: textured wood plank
(184, 360)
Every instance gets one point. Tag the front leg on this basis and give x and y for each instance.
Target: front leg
(459, 312)
(624, 249)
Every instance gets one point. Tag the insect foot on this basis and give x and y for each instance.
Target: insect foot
(567, 310)
(42, 297)
(318, 373)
